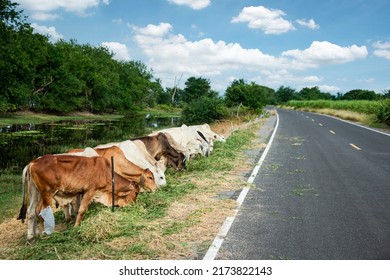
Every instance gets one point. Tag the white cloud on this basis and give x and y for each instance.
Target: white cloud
(327, 88)
(153, 30)
(308, 23)
(323, 53)
(121, 52)
(49, 31)
(44, 16)
(168, 52)
(42, 9)
(382, 49)
(271, 21)
(194, 4)
(381, 45)
(382, 53)
(170, 55)
(283, 76)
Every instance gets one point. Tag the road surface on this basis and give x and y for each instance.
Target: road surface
(323, 192)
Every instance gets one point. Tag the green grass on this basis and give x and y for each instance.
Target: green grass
(97, 236)
(379, 111)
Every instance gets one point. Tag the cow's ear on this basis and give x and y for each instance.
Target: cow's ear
(124, 193)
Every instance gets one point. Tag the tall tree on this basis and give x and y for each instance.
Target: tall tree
(196, 88)
(251, 95)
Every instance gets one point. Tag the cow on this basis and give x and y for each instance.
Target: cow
(135, 155)
(191, 139)
(158, 146)
(143, 177)
(142, 148)
(208, 133)
(122, 166)
(61, 178)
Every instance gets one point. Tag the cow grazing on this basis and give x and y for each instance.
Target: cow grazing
(208, 133)
(190, 138)
(158, 146)
(143, 177)
(140, 158)
(61, 178)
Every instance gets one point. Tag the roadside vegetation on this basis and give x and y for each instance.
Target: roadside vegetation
(365, 111)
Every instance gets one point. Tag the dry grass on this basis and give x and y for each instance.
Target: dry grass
(344, 114)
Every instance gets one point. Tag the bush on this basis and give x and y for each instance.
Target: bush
(204, 110)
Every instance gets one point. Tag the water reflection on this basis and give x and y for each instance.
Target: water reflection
(19, 144)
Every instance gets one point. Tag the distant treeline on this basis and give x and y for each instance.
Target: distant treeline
(61, 77)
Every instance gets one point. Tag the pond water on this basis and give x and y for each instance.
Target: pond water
(19, 144)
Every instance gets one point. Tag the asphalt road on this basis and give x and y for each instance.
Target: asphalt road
(323, 192)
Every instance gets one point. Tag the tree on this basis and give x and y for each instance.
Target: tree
(21, 53)
(360, 94)
(196, 88)
(250, 95)
(284, 94)
(204, 110)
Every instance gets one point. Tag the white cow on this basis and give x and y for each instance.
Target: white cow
(208, 133)
(187, 138)
(136, 156)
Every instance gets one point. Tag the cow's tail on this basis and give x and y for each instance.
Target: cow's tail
(25, 178)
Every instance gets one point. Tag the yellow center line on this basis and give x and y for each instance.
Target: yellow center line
(331, 131)
(356, 147)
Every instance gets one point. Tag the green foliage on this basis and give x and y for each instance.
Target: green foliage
(251, 95)
(66, 76)
(197, 88)
(313, 93)
(204, 110)
(359, 94)
(383, 112)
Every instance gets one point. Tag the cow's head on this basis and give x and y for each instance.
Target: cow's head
(178, 162)
(126, 195)
(147, 181)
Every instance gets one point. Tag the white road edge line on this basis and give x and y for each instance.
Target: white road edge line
(218, 240)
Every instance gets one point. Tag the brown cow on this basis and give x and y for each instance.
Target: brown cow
(158, 146)
(124, 167)
(63, 177)
(143, 177)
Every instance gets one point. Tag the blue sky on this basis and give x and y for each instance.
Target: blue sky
(335, 45)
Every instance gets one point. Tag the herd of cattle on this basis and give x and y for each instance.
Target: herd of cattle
(74, 179)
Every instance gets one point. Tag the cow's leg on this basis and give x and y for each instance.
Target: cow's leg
(32, 224)
(87, 197)
(67, 209)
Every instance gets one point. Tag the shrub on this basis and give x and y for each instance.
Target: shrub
(204, 110)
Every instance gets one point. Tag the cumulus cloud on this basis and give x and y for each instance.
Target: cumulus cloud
(170, 54)
(120, 51)
(43, 9)
(51, 31)
(327, 88)
(308, 23)
(323, 53)
(271, 21)
(382, 49)
(194, 4)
